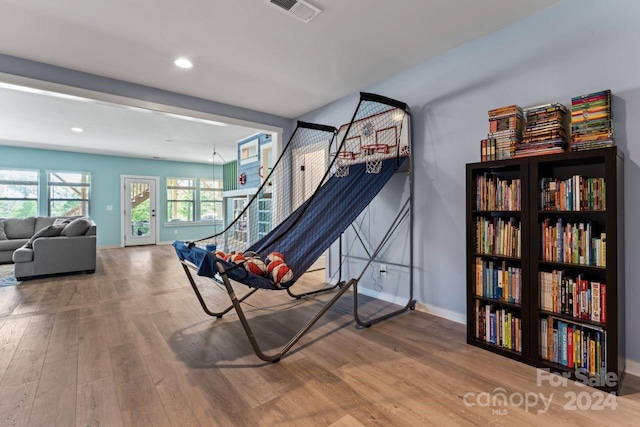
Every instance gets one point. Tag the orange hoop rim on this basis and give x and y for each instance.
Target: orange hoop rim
(347, 155)
(377, 148)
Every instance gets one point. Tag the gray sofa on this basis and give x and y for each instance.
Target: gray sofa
(43, 245)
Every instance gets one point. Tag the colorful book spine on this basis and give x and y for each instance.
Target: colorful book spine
(498, 236)
(573, 345)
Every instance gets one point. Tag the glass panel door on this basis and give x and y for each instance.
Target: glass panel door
(140, 213)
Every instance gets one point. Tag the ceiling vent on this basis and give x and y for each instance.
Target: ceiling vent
(296, 8)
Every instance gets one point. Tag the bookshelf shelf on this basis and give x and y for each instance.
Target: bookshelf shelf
(571, 265)
(580, 215)
(497, 301)
(496, 212)
(500, 257)
(495, 349)
(572, 319)
(603, 165)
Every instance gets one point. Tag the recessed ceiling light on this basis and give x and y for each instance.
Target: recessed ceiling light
(77, 129)
(183, 63)
(211, 160)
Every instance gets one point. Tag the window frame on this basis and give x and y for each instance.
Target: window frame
(35, 183)
(196, 202)
(217, 199)
(51, 184)
(250, 146)
(193, 187)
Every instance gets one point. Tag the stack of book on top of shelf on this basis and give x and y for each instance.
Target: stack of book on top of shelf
(505, 131)
(544, 131)
(591, 121)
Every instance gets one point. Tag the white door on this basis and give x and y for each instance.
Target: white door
(308, 170)
(140, 219)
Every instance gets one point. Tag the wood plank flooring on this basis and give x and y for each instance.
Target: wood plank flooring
(130, 346)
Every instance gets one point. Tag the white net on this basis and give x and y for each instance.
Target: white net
(342, 170)
(374, 154)
(374, 165)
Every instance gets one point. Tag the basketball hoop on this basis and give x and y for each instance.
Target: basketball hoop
(371, 149)
(374, 156)
(342, 165)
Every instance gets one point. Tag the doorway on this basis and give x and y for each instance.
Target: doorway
(309, 167)
(140, 219)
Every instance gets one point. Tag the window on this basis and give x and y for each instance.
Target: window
(249, 152)
(181, 196)
(210, 200)
(68, 193)
(18, 193)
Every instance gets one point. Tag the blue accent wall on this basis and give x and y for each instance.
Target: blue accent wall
(252, 169)
(105, 185)
(575, 47)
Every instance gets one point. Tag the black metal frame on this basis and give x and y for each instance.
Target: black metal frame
(235, 304)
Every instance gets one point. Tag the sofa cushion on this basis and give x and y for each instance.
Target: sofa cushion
(49, 231)
(77, 227)
(19, 228)
(43, 221)
(23, 255)
(3, 235)
(12, 245)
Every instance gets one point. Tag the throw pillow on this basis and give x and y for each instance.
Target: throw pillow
(77, 227)
(3, 236)
(49, 231)
(62, 221)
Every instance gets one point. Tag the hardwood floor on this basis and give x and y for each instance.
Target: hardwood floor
(130, 346)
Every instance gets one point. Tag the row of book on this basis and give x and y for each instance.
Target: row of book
(494, 193)
(574, 346)
(573, 243)
(505, 130)
(577, 193)
(544, 131)
(591, 121)
(498, 236)
(573, 296)
(517, 132)
(497, 281)
(488, 150)
(500, 327)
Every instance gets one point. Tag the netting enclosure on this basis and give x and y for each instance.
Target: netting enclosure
(305, 203)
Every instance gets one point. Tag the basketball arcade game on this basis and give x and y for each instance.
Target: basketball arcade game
(301, 233)
(371, 139)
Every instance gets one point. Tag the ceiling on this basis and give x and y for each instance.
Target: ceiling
(246, 53)
(39, 119)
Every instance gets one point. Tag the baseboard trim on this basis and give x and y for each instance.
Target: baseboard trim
(632, 367)
(109, 246)
(424, 308)
(454, 316)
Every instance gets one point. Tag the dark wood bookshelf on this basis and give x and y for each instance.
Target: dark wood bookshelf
(604, 163)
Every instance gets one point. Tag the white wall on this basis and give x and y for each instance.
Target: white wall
(576, 47)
